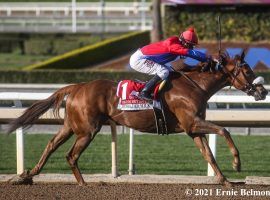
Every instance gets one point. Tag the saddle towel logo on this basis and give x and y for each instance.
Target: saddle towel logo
(128, 92)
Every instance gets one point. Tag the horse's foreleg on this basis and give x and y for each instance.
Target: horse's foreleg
(201, 143)
(202, 126)
(73, 155)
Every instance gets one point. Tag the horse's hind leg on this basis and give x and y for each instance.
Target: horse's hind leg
(76, 150)
(202, 144)
(62, 136)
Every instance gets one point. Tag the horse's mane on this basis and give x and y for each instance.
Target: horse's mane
(224, 57)
(183, 67)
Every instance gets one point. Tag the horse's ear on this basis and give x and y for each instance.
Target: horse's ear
(237, 57)
(243, 54)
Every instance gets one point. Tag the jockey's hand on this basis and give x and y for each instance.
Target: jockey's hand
(211, 65)
(217, 64)
(214, 65)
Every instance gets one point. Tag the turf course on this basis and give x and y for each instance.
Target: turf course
(154, 154)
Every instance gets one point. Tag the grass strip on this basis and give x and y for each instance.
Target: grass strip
(154, 154)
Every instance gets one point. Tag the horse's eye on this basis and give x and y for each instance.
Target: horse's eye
(249, 73)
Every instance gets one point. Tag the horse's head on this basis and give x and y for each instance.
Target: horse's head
(242, 77)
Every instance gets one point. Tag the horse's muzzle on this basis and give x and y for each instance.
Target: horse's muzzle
(260, 93)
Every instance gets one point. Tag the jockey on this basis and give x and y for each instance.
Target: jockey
(155, 59)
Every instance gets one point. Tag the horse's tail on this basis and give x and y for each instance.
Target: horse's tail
(31, 114)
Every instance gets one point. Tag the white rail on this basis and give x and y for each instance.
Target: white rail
(37, 7)
(219, 116)
(236, 99)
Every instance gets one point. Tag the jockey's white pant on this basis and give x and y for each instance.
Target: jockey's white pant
(138, 63)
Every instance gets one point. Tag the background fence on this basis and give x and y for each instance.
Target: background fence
(91, 17)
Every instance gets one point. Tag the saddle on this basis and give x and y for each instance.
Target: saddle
(129, 100)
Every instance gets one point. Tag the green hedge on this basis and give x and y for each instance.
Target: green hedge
(33, 47)
(53, 44)
(239, 22)
(69, 43)
(7, 46)
(95, 54)
(64, 76)
(75, 76)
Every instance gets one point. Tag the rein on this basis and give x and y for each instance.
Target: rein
(190, 80)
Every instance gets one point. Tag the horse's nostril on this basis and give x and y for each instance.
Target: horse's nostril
(265, 92)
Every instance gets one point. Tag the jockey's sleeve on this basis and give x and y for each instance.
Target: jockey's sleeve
(176, 49)
(197, 55)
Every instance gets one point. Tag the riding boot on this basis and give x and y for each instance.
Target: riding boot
(148, 88)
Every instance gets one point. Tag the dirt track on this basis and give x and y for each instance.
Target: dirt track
(106, 191)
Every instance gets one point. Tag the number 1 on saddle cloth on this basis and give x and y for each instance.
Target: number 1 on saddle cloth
(129, 100)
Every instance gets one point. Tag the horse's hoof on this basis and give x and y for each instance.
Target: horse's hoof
(228, 184)
(82, 184)
(17, 180)
(237, 167)
(23, 179)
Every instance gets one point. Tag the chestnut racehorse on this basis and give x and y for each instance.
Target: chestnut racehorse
(91, 105)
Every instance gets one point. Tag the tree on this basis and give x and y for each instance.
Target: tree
(156, 33)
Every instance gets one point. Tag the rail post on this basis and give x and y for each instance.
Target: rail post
(19, 143)
(74, 16)
(131, 170)
(212, 145)
(114, 150)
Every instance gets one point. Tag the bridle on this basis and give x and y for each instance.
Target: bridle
(249, 88)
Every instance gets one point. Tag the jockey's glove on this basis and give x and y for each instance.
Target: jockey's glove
(218, 64)
(211, 65)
